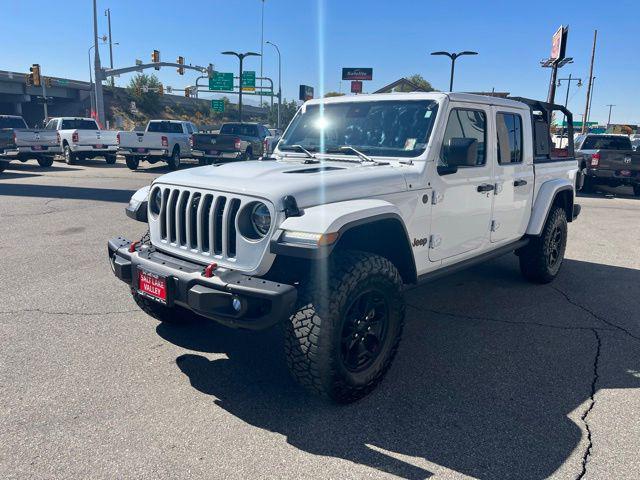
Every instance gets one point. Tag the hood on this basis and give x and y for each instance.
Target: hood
(310, 184)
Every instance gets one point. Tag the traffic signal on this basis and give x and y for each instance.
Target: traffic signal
(48, 82)
(161, 90)
(36, 81)
(187, 92)
(181, 62)
(155, 58)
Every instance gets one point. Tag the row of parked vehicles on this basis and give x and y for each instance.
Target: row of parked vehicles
(163, 140)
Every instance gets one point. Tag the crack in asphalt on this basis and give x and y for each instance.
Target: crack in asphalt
(496, 320)
(592, 402)
(595, 315)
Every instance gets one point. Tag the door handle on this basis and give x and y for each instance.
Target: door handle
(485, 187)
(519, 183)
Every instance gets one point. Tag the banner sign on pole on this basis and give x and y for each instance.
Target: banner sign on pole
(357, 74)
(559, 44)
(356, 86)
(306, 93)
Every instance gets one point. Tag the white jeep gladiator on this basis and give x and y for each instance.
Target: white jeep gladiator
(362, 197)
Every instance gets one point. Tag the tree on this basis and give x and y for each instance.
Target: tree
(149, 101)
(287, 112)
(419, 80)
(333, 94)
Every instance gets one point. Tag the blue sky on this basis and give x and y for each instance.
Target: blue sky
(319, 37)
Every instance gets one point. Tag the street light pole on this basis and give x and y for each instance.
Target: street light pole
(279, 80)
(91, 99)
(453, 57)
(569, 80)
(609, 120)
(97, 69)
(241, 57)
(107, 12)
(261, 51)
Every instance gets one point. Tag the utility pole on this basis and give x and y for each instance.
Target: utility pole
(593, 87)
(589, 86)
(261, 52)
(279, 80)
(108, 15)
(609, 120)
(97, 68)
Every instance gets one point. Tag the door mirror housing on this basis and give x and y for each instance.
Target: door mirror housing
(461, 152)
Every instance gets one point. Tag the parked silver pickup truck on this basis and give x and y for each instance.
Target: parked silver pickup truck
(28, 144)
(166, 140)
(81, 138)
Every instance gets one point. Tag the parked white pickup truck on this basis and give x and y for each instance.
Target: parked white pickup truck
(81, 138)
(361, 198)
(26, 144)
(166, 140)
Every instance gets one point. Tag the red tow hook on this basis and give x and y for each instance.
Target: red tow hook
(208, 271)
(132, 246)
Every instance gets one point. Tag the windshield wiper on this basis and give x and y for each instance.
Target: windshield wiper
(361, 156)
(301, 149)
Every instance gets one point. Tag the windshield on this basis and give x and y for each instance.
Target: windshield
(390, 128)
(603, 142)
(12, 122)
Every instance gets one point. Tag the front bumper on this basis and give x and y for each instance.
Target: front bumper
(263, 303)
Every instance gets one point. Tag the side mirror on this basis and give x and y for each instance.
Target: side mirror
(461, 152)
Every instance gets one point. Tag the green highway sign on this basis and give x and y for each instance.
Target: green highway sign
(217, 105)
(248, 81)
(221, 81)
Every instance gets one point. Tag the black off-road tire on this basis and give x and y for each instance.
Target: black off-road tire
(541, 259)
(69, 157)
(45, 162)
(3, 166)
(636, 189)
(174, 160)
(160, 312)
(110, 159)
(132, 162)
(314, 333)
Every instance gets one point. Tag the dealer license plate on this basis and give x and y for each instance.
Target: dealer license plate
(625, 173)
(152, 286)
(141, 150)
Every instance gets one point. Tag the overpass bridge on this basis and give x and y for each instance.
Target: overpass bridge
(67, 97)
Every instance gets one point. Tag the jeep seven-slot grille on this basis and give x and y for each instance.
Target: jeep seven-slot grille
(198, 221)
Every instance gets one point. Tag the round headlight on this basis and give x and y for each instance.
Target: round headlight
(155, 201)
(261, 219)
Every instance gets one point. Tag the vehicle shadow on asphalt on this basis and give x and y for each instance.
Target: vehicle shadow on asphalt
(610, 192)
(65, 192)
(488, 370)
(35, 168)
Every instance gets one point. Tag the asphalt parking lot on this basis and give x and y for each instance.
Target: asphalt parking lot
(495, 378)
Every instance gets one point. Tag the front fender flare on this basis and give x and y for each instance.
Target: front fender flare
(331, 218)
(544, 199)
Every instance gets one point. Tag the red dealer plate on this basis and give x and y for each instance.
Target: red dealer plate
(213, 152)
(153, 286)
(37, 147)
(625, 173)
(141, 150)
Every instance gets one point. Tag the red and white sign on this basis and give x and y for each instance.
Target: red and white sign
(152, 285)
(356, 86)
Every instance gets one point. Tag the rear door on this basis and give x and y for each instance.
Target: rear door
(514, 177)
(462, 201)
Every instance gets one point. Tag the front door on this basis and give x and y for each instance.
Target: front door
(514, 175)
(461, 214)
